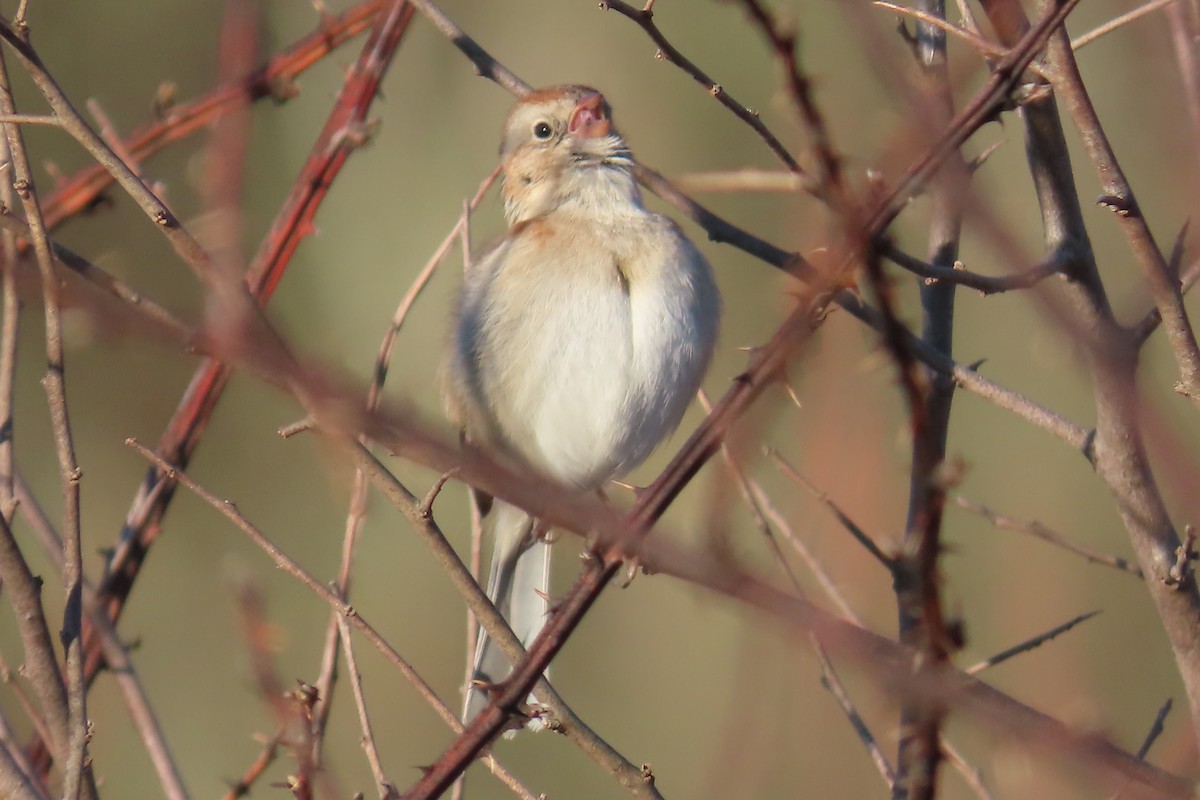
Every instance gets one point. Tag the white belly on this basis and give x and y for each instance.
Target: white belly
(584, 370)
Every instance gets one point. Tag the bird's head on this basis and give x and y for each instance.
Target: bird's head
(560, 146)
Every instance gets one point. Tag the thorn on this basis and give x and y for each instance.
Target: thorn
(631, 571)
(1185, 554)
(300, 426)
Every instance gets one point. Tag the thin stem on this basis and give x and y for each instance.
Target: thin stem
(385, 788)
(77, 774)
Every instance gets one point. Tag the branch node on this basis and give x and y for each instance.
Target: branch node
(1185, 554)
(425, 510)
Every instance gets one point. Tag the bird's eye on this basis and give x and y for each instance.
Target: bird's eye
(543, 131)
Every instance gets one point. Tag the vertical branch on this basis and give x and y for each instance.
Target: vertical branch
(10, 317)
(1118, 196)
(76, 768)
(41, 663)
(1119, 452)
(916, 571)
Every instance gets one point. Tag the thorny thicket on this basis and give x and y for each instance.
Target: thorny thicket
(1033, 83)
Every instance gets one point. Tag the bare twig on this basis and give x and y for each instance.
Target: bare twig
(1037, 529)
(385, 788)
(1119, 21)
(860, 536)
(956, 275)
(1029, 644)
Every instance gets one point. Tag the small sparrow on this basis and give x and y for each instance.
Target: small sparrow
(580, 336)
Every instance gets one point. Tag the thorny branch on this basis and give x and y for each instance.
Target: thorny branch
(867, 237)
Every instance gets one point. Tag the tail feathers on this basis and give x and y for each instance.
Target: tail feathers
(518, 583)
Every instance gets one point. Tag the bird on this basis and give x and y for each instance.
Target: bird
(579, 336)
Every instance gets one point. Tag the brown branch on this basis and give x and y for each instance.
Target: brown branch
(382, 784)
(273, 79)
(10, 317)
(956, 275)
(1120, 21)
(1119, 453)
(644, 18)
(1117, 194)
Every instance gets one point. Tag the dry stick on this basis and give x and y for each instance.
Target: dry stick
(1118, 196)
(189, 250)
(860, 536)
(966, 377)
(356, 620)
(1029, 644)
(108, 132)
(382, 784)
(1184, 22)
(10, 317)
(358, 493)
(745, 179)
(953, 273)
(1119, 21)
(984, 46)
(77, 773)
(644, 18)
(137, 703)
(1037, 529)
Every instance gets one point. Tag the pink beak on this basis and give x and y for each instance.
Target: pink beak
(589, 120)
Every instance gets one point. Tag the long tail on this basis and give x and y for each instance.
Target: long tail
(518, 584)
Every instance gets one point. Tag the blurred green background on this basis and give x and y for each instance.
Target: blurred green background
(720, 702)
